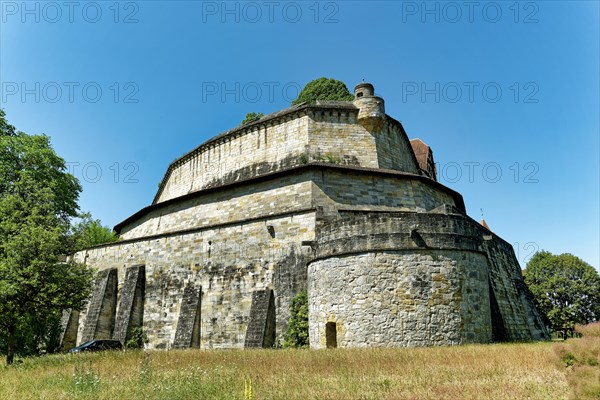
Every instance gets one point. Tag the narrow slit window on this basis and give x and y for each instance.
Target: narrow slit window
(331, 335)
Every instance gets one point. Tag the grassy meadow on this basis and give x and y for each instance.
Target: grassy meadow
(542, 370)
(498, 371)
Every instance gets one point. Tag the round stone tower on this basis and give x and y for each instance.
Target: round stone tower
(371, 112)
(386, 288)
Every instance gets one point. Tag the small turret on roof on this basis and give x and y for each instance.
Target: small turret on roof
(485, 225)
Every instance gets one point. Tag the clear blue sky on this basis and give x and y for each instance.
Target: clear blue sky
(507, 94)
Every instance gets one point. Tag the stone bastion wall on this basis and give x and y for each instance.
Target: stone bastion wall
(327, 197)
(194, 265)
(295, 136)
(415, 279)
(198, 285)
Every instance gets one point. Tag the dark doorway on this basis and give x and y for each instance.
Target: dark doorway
(331, 335)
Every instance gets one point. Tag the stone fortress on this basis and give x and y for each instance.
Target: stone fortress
(330, 197)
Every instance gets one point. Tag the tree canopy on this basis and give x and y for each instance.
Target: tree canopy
(38, 198)
(566, 288)
(324, 89)
(90, 232)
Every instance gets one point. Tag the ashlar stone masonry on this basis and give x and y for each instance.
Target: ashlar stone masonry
(330, 197)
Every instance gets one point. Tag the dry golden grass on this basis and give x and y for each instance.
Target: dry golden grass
(501, 371)
(581, 358)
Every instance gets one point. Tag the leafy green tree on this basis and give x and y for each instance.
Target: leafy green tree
(6, 129)
(35, 334)
(324, 89)
(297, 331)
(138, 339)
(90, 232)
(38, 198)
(566, 288)
(251, 117)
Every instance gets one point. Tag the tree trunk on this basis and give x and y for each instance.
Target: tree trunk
(10, 352)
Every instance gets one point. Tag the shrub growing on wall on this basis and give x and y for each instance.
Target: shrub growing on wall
(297, 331)
(138, 339)
(251, 117)
(324, 89)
